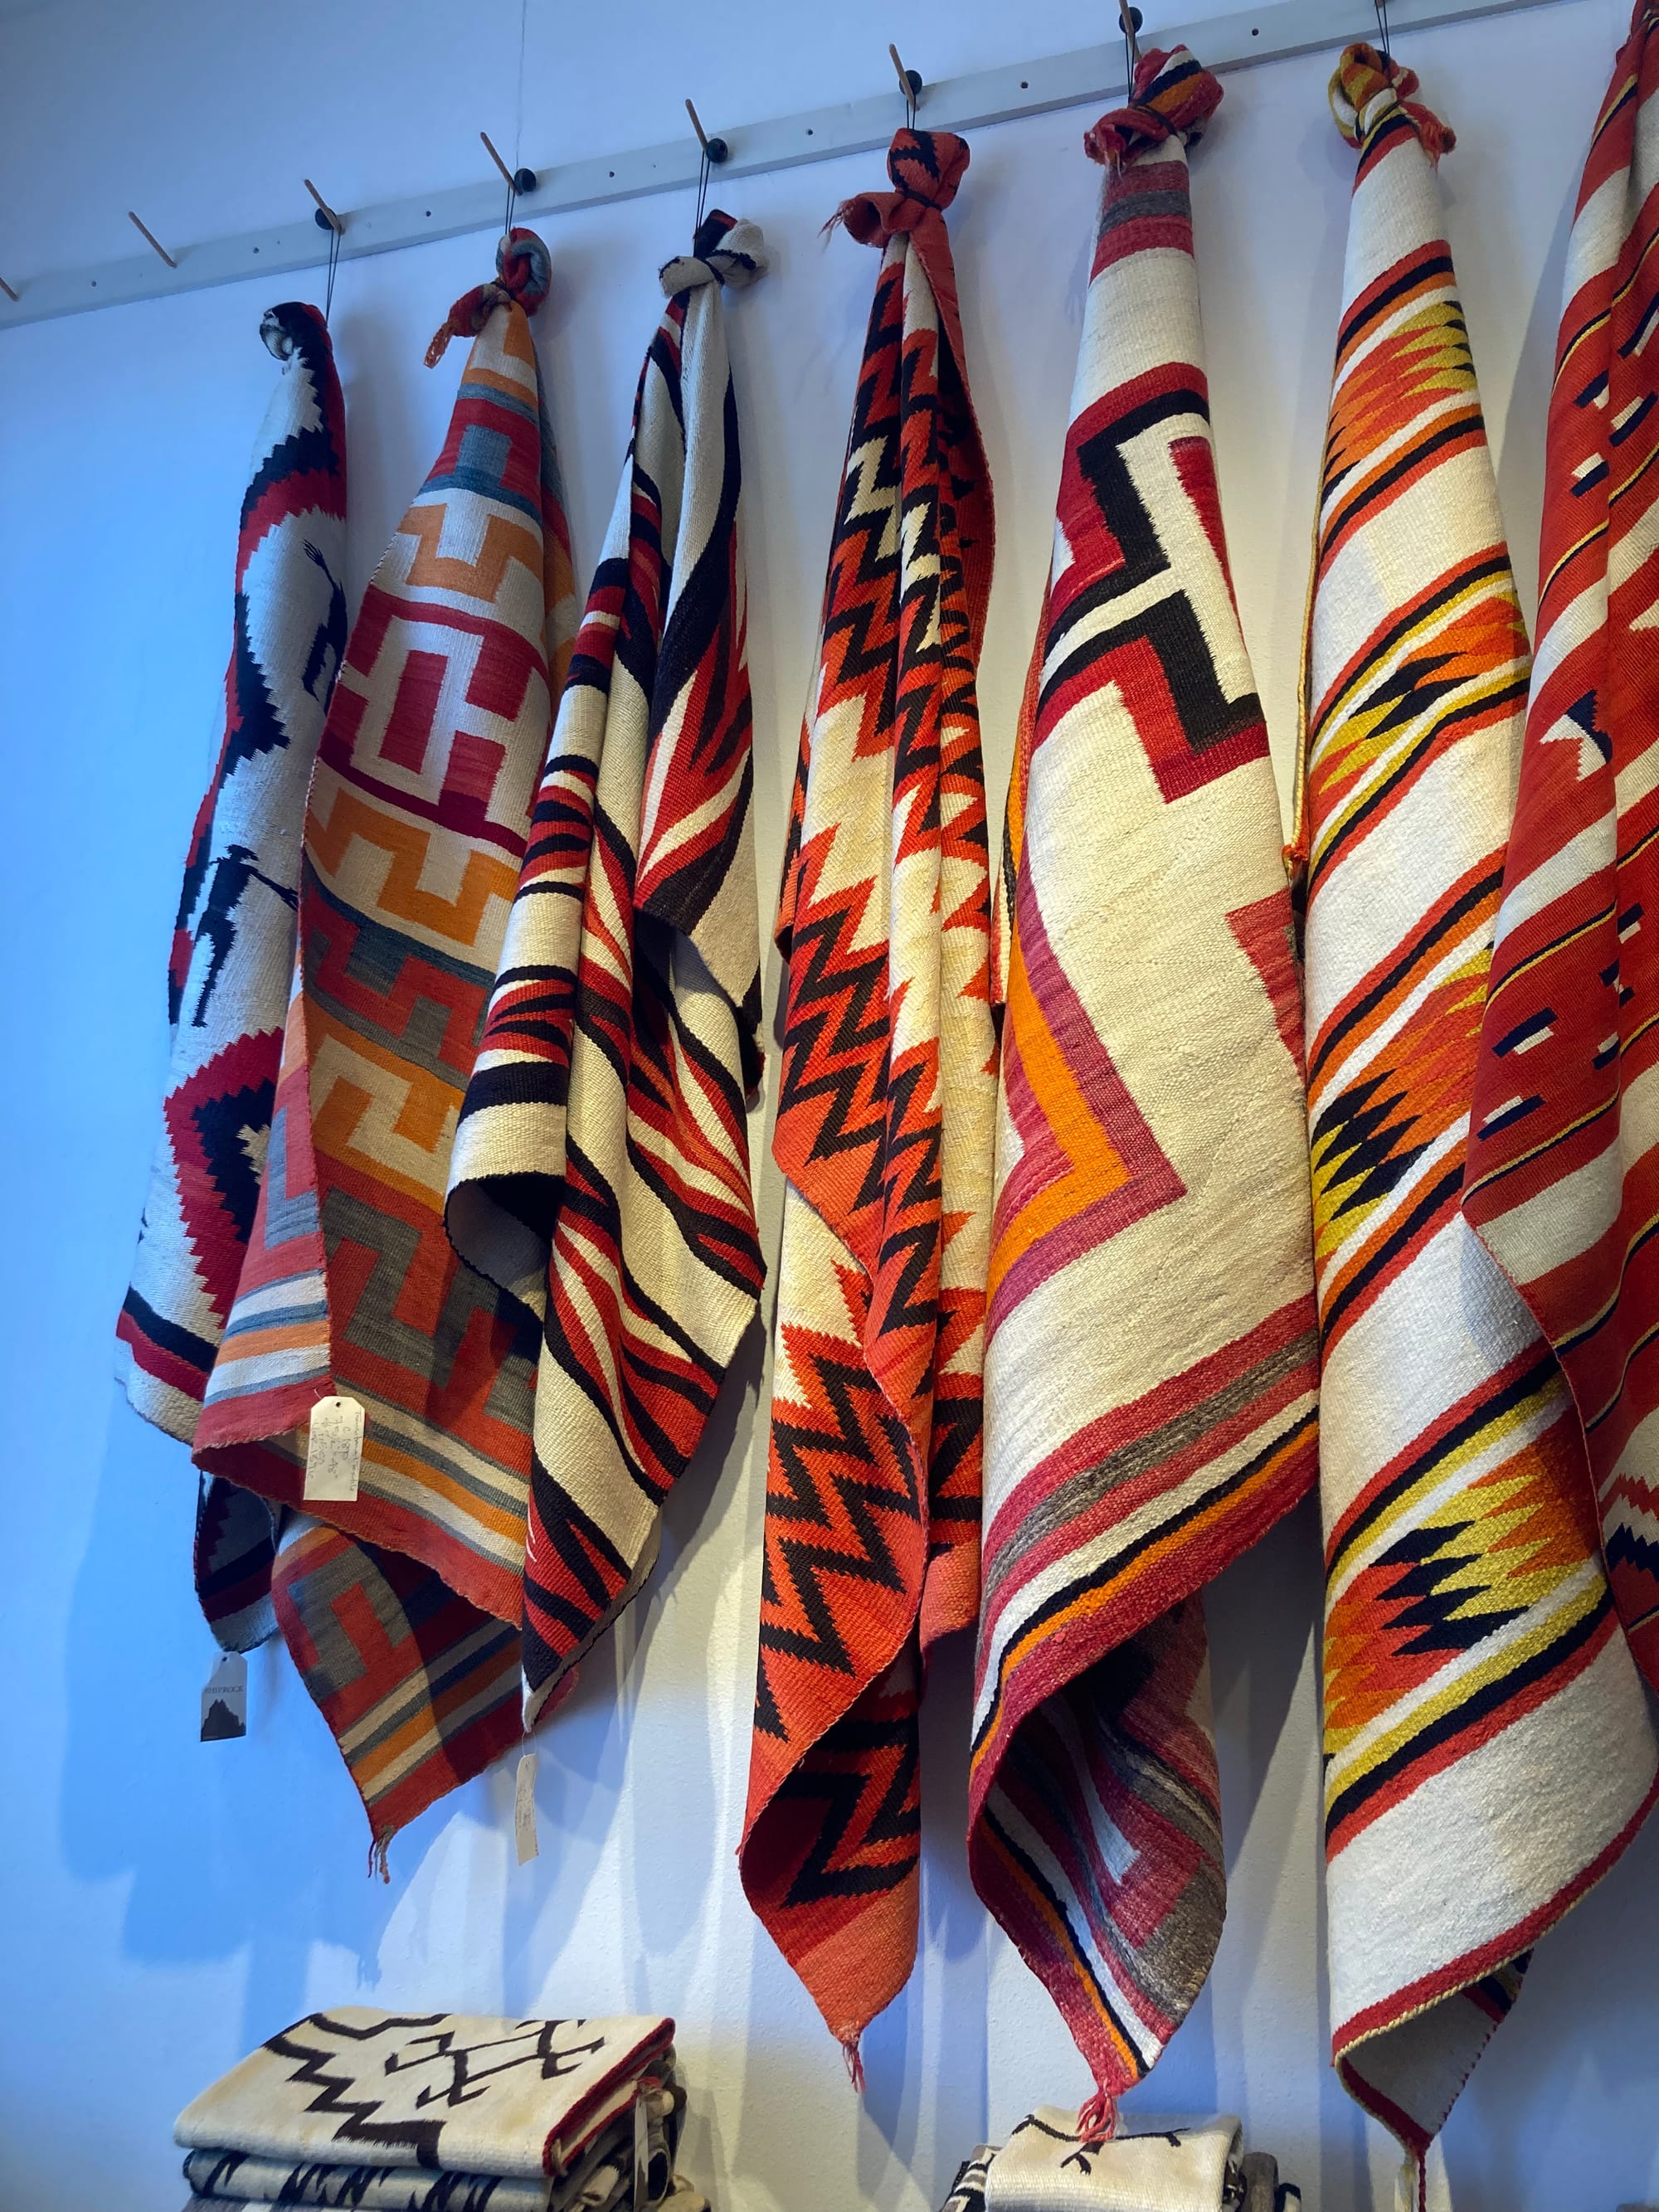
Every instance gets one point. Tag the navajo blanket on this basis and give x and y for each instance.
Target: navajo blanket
(1486, 1750)
(233, 944)
(1564, 1165)
(601, 2176)
(451, 2092)
(1152, 1364)
(601, 1167)
(1052, 2164)
(401, 1607)
(1049, 2164)
(884, 1135)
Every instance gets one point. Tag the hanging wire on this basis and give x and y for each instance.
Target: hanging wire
(517, 120)
(1129, 17)
(909, 85)
(703, 166)
(1381, 8)
(333, 264)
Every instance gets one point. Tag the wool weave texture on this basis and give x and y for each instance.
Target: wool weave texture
(1564, 1163)
(432, 2093)
(601, 1167)
(401, 1607)
(1050, 2164)
(1487, 1751)
(233, 944)
(602, 2175)
(1151, 1371)
(884, 1135)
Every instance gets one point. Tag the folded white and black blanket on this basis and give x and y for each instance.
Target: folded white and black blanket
(1048, 2165)
(340, 2105)
(603, 2177)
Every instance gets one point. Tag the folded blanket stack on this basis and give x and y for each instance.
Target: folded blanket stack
(1046, 2166)
(443, 2113)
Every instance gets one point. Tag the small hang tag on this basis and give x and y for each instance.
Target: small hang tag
(524, 1809)
(335, 1453)
(224, 1698)
(642, 2154)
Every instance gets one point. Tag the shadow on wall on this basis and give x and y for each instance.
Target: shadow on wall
(230, 1848)
(259, 1848)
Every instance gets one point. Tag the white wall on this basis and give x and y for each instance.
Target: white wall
(164, 1903)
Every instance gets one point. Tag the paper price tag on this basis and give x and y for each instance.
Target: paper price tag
(524, 1809)
(334, 1456)
(224, 1699)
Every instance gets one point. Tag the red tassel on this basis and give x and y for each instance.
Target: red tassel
(1096, 2121)
(849, 2051)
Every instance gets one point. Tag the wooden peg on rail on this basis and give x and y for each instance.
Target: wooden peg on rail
(146, 232)
(909, 80)
(7, 290)
(516, 181)
(326, 219)
(713, 150)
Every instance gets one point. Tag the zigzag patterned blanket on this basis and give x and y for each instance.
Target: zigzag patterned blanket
(884, 1135)
(1150, 1365)
(1563, 1166)
(1487, 1752)
(402, 1611)
(601, 1169)
(233, 944)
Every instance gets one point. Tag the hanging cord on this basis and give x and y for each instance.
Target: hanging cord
(1380, 8)
(909, 85)
(713, 150)
(703, 166)
(333, 264)
(1130, 19)
(518, 123)
(517, 119)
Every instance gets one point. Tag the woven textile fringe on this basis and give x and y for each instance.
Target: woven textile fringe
(1563, 1164)
(1487, 1750)
(1151, 1370)
(601, 1168)
(401, 1607)
(884, 1135)
(232, 945)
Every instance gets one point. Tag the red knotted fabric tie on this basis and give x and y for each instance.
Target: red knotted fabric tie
(926, 168)
(524, 270)
(1174, 97)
